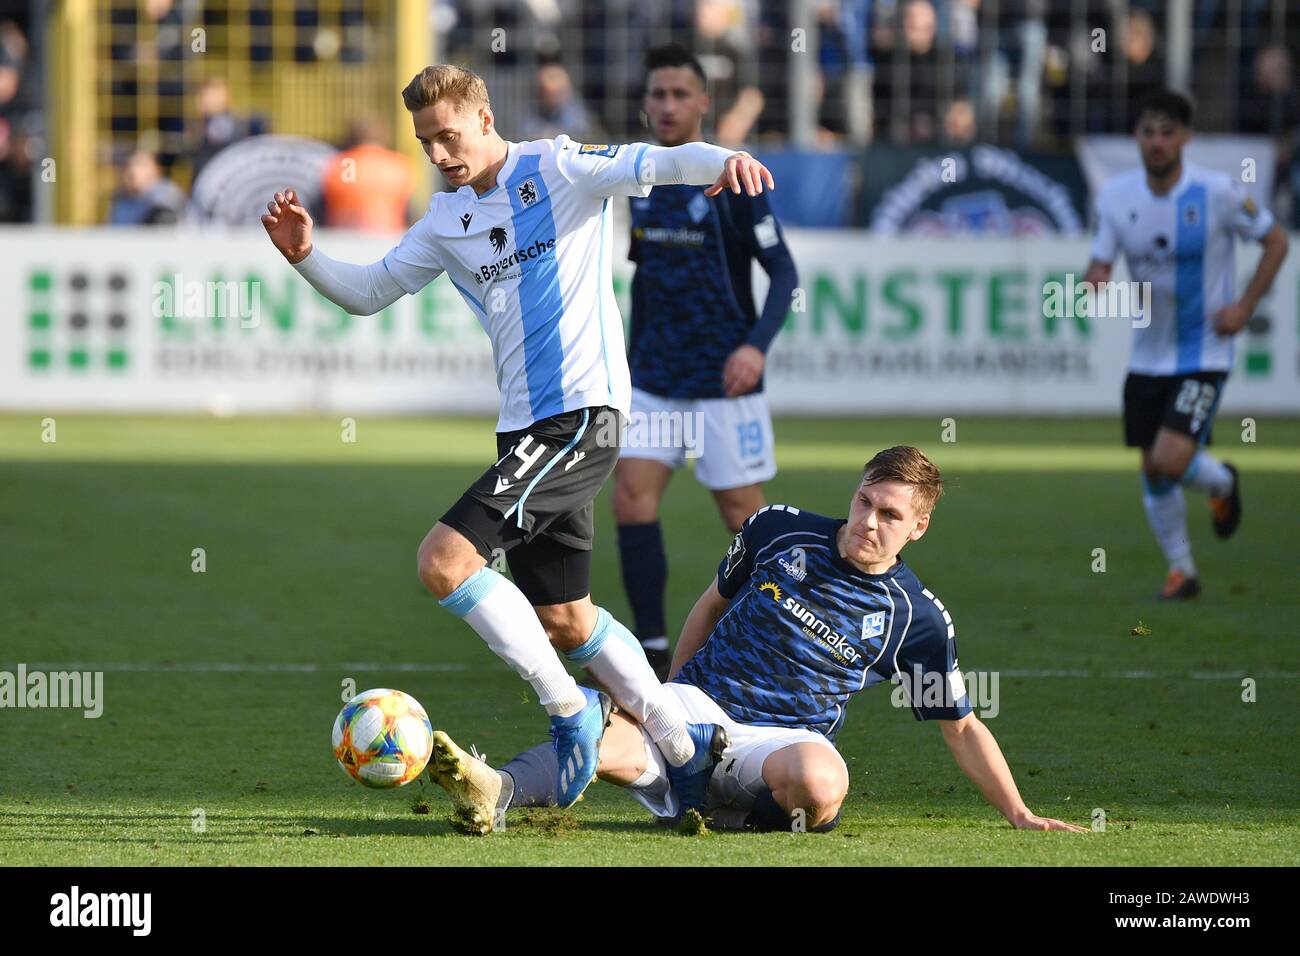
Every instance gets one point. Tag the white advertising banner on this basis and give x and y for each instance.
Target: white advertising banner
(178, 321)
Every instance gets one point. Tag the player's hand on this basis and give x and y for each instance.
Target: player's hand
(742, 370)
(289, 226)
(1231, 319)
(742, 171)
(1032, 821)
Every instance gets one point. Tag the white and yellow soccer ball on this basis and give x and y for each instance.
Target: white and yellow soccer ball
(383, 738)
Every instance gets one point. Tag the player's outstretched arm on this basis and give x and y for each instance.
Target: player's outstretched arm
(1233, 318)
(980, 758)
(360, 290)
(699, 164)
(699, 625)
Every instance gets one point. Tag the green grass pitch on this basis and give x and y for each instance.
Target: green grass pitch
(220, 687)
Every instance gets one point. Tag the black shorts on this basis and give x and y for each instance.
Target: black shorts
(1181, 403)
(535, 504)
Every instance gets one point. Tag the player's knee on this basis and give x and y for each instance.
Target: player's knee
(824, 788)
(633, 504)
(441, 568)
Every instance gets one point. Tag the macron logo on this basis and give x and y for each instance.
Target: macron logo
(103, 909)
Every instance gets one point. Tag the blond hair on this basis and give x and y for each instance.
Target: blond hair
(910, 466)
(445, 82)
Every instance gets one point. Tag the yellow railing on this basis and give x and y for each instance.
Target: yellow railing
(125, 74)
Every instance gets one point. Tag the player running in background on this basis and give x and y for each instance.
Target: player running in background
(525, 238)
(1176, 225)
(804, 612)
(697, 344)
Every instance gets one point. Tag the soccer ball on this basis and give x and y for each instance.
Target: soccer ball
(383, 738)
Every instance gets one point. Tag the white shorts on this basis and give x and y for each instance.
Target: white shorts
(738, 778)
(730, 438)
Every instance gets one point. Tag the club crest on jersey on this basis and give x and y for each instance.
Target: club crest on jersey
(609, 152)
(873, 625)
(527, 192)
(498, 239)
(1249, 208)
(735, 554)
(698, 207)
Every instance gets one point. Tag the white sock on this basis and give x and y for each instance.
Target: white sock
(1206, 473)
(615, 659)
(653, 790)
(502, 616)
(1167, 512)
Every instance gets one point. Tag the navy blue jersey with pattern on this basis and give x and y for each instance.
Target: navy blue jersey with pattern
(692, 293)
(805, 629)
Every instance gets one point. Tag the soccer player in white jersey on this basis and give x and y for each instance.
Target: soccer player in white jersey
(1176, 225)
(526, 239)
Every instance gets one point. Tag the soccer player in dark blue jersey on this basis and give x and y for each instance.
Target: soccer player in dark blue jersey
(804, 612)
(696, 348)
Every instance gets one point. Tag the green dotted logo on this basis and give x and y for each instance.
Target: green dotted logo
(78, 321)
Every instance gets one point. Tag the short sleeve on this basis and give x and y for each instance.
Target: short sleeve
(927, 664)
(1242, 214)
(415, 261)
(600, 169)
(738, 562)
(1105, 244)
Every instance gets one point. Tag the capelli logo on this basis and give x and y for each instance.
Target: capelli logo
(103, 909)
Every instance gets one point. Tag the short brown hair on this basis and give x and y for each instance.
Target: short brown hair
(909, 465)
(445, 82)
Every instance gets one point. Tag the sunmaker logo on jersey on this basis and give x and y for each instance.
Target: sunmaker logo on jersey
(821, 632)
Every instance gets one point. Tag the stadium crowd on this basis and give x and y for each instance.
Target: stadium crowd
(1026, 73)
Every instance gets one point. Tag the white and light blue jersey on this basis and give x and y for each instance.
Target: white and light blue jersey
(532, 258)
(1183, 244)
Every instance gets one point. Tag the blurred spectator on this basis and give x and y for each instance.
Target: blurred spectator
(959, 125)
(724, 45)
(845, 68)
(1144, 70)
(1270, 106)
(368, 186)
(905, 84)
(1269, 103)
(1021, 46)
(558, 110)
(20, 126)
(146, 198)
(218, 126)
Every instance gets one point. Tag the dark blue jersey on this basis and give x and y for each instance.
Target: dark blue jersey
(692, 294)
(806, 629)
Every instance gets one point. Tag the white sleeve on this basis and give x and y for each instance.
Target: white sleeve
(1105, 244)
(633, 169)
(1242, 215)
(360, 290)
(415, 261)
(691, 164)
